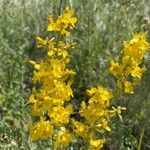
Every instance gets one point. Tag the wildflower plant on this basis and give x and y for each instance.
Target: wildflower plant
(52, 92)
(130, 69)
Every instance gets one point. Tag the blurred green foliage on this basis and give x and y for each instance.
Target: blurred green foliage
(102, 27)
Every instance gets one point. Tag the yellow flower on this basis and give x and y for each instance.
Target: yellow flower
(62, 53)
(36, 66)
(60, 115)
(32, 99)
(64, 22)
(41, 130)
(136, 47)
(137, 72)
(96, 144)
(115, 69)
(105, 125)
(99, 92)
(41, 42)
(62, 138)
(100, 95)
(79, 128)
(125, 86)
(128, 87)
(97, 106)
(92, 113)
(91, 91)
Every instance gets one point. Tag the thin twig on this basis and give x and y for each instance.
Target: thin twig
(141, 138)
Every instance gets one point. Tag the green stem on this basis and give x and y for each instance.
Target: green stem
(60, 7)
(53, 143)
(141, 139)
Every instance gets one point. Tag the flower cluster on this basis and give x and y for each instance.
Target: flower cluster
(52, 92)
(96, 114)
(64, 22)
(52, 85)
(129, 70)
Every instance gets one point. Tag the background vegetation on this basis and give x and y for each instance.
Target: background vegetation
(102, 27)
